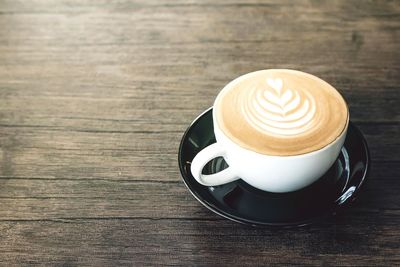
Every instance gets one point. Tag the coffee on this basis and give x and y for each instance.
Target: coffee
(281, 112)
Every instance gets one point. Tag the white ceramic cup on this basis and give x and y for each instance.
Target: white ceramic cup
(269, 173)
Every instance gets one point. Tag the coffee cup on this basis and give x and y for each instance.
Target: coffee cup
(279, 130)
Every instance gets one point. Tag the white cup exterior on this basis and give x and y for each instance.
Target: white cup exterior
(266, 172)
(278, 173)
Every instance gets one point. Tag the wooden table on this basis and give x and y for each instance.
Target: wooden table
(95, 97)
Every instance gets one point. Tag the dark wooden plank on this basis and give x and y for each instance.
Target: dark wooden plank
(134, 153)
(38, 198)
(198, 242)
(148, 105)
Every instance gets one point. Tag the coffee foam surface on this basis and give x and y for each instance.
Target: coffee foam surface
(281, 112)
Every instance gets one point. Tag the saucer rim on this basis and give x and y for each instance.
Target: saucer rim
(333, 209)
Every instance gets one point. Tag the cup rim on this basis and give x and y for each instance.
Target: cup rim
(327, 146)
(236, 80)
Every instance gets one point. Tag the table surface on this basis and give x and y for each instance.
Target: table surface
(96, 95)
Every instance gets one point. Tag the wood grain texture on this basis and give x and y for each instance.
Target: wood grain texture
(95, 97)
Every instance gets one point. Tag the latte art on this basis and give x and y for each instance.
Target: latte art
(276, 109)
(281, 112)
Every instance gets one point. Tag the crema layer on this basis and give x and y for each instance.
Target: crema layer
(281, 112)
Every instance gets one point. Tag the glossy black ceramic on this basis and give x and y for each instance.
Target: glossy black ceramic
(240, 202)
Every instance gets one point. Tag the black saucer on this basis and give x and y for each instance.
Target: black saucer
(240, 202)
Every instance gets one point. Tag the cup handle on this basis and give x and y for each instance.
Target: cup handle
(202, 158)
